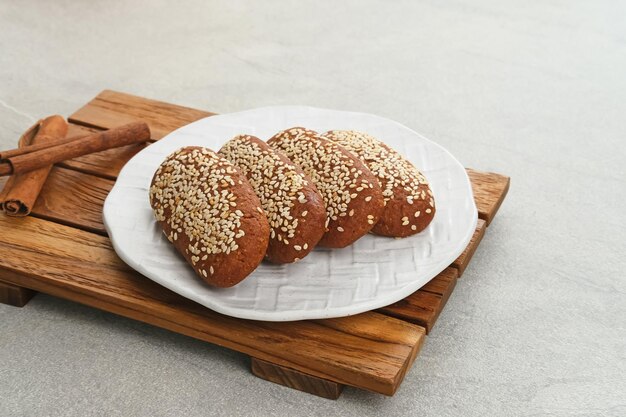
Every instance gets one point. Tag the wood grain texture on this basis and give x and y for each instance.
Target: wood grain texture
(424, 305)
(73, 198)
(76, 198)
(463, 260)
(111, 109)
(14, 295)
(69, 263)
(371, 351)
(490, 189)
(295, 379)
(378, 328)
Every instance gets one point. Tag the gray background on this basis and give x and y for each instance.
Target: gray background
(534, 90)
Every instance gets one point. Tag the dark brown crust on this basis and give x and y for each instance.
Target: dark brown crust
(398, 207)
(310, 227)
(229, 269)
(390, 223)
(347, 229)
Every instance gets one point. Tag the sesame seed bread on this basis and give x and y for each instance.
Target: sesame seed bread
(293, 206)
(351, 193)
(410, 205)
(211, 214)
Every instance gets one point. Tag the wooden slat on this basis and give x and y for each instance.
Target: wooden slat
(463, 260)
(105, 164)
(443, 284)
(489, 192)
(424, 306)
(295, 379)
(81, 266)
(73, 198)
(14, 295)
(421, 308)
(111, 109)
(65, 204)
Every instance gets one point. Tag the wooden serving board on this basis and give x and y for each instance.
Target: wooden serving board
(62, 249)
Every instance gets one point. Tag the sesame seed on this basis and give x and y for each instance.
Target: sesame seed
(340, 229)
(330, 168)
(191, 193)
(278, 184)
(395, 173)
(428, 211)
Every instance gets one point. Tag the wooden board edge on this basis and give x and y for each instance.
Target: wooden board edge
(292, 378)
(409, 364)
(499, 202)
(14, 295)
(377, 385)
(428, 315)
(464, 259)
(490, 190)
(444, 300)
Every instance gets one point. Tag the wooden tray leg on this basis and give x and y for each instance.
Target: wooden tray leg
(296, 379)
(15, 296)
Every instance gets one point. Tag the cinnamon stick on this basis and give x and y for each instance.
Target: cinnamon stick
(43, 143)
(20, 191)
(136, 132)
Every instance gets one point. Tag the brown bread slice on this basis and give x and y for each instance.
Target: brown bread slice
(351, 193)
(292, 204)
(409, 201)
(211, 214)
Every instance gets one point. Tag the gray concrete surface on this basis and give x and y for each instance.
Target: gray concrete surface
(535, 90)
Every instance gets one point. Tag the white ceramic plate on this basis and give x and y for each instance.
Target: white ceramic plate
(374, 272)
